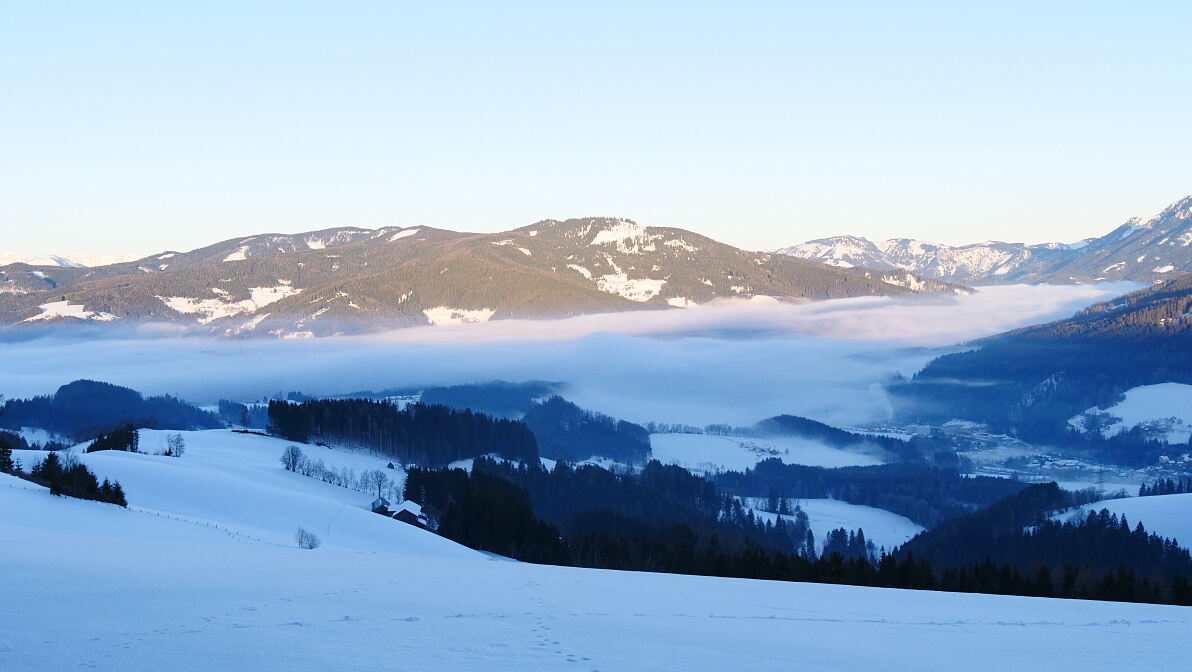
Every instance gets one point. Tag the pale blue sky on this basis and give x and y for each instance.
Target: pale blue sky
(129, 126)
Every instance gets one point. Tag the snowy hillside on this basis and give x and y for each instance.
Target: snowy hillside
(153, 593)
(235, 483)
(885, 529)
(1163, 410)
(1166, 515)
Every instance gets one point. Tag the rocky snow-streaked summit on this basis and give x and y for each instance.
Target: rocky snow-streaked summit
(1142, 249)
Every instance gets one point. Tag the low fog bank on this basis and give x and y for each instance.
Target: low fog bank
(735, 362)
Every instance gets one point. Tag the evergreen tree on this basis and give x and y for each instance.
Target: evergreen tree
(117, 495)
(6, 462)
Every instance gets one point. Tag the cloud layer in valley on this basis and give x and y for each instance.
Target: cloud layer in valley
(735, 362)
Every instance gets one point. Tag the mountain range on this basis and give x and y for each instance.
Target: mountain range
(67, 260)
(345, 280)
(1143, 250)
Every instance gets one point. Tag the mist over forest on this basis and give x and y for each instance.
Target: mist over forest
(734, 362)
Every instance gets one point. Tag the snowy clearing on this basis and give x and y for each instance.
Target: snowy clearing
(885, 529)
(39, 436)
(61, 309)
(209, 310)
(442, 315)
(629, 237)
(1166, 515)
(636, 289)
(235, 482)
(1164, 410)
(709, 453)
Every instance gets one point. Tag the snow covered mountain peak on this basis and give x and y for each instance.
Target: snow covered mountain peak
(1181, 209)
(1142, 249)
(64, 261)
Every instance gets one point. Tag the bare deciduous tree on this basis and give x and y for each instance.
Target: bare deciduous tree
(175, 445)
(375, 480)
(291, 458)
(306, 540)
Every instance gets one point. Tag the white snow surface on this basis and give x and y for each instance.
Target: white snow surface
(209, 310)
(235, 482)
(636, 289)
(97, 586)
(627, 236)
(37, 435)
(65, 260)
(1166, 515)
(60, 309)
(884, 528)
(442, 315)
(709, 453)
(1165, 410)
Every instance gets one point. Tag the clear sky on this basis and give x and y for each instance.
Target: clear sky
(141, 126)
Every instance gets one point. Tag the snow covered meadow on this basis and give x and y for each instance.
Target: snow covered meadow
(885, 529)
(1166, 515)
(200, 573)
(1165, 410)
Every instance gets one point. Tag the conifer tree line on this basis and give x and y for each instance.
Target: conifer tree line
(1168, 486)
(927, 495)
(567, 432)
(1042, 383)
(72, 479)
(587, 500)
(63, 476)
(849, 544)
(85, 409)
(417, 434)
(125, 438)
(8, 464)
(667, 520)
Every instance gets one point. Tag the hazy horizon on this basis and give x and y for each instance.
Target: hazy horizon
(92, 258)
(141, 127)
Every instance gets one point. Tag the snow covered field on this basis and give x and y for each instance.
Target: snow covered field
(148, 593)
(1165, 409)
(234, 482)
(1166, 515)
(883, 528)
(705, 453)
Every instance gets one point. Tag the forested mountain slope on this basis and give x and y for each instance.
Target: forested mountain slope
(353, 280)
(1031, 381)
